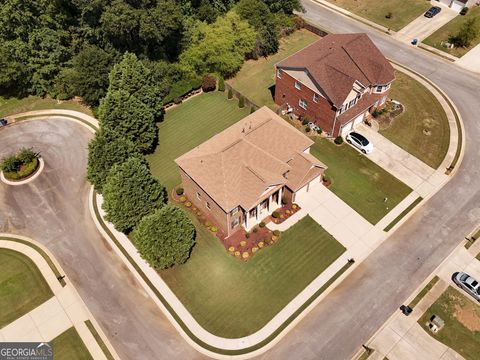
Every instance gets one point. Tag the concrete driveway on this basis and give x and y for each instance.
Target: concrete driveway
(422, 27)
(471, 60)
(53, 209)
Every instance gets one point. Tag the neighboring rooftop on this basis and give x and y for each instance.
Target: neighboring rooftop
(336, 61)
(237, 166)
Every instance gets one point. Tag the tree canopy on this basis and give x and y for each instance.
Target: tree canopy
(131, 192)
(165, 238)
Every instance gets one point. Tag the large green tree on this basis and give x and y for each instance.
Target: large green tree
(165, 238)
(131, 192)
(219, 48)
(467, 33)
(106, 149)
(284, 6)
(129, 117)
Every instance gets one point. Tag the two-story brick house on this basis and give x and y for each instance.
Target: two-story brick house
(240, 175)
(335, 82)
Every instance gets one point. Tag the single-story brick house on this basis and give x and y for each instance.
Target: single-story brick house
(335, 82)
(241, 175)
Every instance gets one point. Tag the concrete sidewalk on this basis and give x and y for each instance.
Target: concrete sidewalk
(64, 310)
(471, 60)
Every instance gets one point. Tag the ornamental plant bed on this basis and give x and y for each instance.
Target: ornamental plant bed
(283, 213)
(244, 245)
(21, 165)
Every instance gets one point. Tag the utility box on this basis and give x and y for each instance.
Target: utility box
(435, 324)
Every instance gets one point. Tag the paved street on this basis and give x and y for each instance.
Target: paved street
(53, 210)
(351, 314)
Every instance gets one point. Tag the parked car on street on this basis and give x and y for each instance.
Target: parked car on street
(3, 122)
(434, 10)
(360, 142)
(467, 283)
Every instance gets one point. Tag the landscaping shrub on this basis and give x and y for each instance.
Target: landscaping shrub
(338, 140)
(254, 249)
(183, 198)
(182, 88)
(284, 200)
(25, 171)
(299, 23)
(275, 214)
(177, 100)
(319, 131)
(307, 129)
(241, 102)
(255, 230)
(252, 109)
(221, 84)
(188, 204)
(213, 229)
(261, 244)
(247, 235)
(245, 255)
(209, 83)
(20, 165)
(243, 243)
(230, 94)
(305, 121)
(464, 11)
(231, 249)
(294, 206)
(237, 253)
(389, 15)
(208, 223)
(179, 191)
(276, 232)
(262, 224)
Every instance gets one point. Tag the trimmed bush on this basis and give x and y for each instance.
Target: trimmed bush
(209, 83)
(274, 238)
(241, 102)
(231, 249)
(188, 204)
(284, 200)
(247, 235)
(305, 121)
(294, 206)
(208, 223)
(307, 129)
(221, 84)
(261, 244)
(243, 243)
(24, 172)
(464, 11)
(177, 100)
(183, 198)
(276, 233)
(230, 94)
(254, 249)
(275, 214)
(237, 253)
(319, 131)
(179, 191)
(20, 165)
(213, 229)
(182, 88)
(262, 224)
(252, 109)
(245, 255)
(255, 230)
(338, 140)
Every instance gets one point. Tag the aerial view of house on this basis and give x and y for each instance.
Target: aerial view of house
(335, 82)
(241, 174)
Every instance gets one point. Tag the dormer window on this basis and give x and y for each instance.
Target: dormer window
(315, 97)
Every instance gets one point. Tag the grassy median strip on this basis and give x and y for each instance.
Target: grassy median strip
(424, 292)
(12, 105)
(99, 340)
(41, 252)
(402, 214)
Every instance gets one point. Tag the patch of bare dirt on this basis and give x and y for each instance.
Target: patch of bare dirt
(468, 316)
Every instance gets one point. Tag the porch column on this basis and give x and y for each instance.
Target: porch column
(269, 203)
(280, 197)
(247, 215)
(258, 210)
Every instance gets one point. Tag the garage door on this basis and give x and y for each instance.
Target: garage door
(301, 192)
(457, 6)
(306, 189)
(446, 2)
(358, 119)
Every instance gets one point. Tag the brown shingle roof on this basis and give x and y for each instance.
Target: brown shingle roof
(236, 166)
(338, 60)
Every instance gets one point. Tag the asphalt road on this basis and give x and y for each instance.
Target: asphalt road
(351, 314)
(53, 209)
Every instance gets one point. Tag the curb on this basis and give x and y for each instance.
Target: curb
(39, 170)
(35, 245)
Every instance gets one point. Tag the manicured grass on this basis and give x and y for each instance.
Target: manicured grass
(11, 106)
(69, 346)
(424, 292)
(99, 340)
(362, 184)
(452, 28)
(231, 298)
(403, 213)
(403, 11)
(423, 111)
(187, 126)
(257, 76)
(462, 323)
(22, 286)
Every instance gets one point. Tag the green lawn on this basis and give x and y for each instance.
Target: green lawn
(257, 76)
(423, 111)
(424, 292)
(69, 346)
(451, 28)
(22, 286)
(462, 322)
(231, 298)
(358, 181)
(11, 106)
(403, 11)
(189, 125)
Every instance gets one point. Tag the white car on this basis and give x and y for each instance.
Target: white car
(360, 142)
(467, 283)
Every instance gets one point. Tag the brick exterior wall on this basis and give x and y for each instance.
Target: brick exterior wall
(222, 219)
(321, 113)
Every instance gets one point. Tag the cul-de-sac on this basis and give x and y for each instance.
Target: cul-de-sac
(239, 179)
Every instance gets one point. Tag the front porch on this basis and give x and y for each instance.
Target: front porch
(263, 209)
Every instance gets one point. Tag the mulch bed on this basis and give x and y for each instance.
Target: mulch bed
(239, 244)
(284, 213)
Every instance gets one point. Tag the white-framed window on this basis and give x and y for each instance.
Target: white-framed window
(298, 86)
(303, 104)
(315, 97)
(199, 197)
(235, 222)
(234, 211)
(207, 205)
(351, 103)
(279, 73)
(379, 89)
